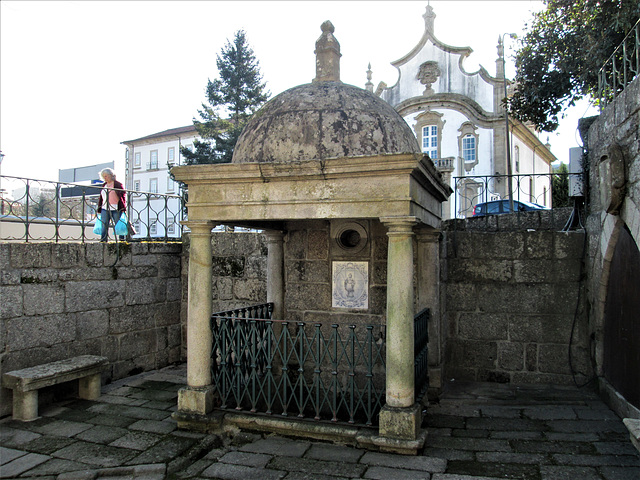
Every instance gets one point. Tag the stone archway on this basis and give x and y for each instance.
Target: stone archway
(618, 358)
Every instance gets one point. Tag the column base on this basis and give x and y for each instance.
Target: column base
(195, 400)
(400, 423)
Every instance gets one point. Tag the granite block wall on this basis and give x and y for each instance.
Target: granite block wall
(62, 300)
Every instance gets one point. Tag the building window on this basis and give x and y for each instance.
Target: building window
(468, 145)
(153, 228)
(136, 160)
(532, 193)
(428, 130)
(517, 155)
(136, 226)
(430, 140)
(136, 185)
(170, 185)
(153, 185)
(469, 148)
(171, 229)
(153, 160)
(171, 156)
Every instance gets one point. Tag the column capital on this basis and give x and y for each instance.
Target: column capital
(274, 236)
(199, 227)
(428, 235)
(399, 225)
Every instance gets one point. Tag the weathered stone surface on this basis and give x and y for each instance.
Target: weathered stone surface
(94, 295)
(91, 324)
(43, 299)
(42, 331)
(30, 255)
(323, 120)
(11, 304)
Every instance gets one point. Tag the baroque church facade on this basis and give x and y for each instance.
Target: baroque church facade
(460, 121)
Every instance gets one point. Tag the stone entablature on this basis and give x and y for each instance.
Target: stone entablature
(367, 187)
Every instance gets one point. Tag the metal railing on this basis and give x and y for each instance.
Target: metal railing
(330, 373)
(622, 67)
(42, 210)
(539, 188)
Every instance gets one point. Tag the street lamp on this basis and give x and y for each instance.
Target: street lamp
(506, 120)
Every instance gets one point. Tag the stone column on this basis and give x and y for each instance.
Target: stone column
(197, 397)
(400, 417)
(428, 265)
(275, 272)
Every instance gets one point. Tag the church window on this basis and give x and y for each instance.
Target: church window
(469, 148)
(468, 145)
(430, 141)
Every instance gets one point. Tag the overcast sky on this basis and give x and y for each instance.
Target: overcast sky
(78, 78)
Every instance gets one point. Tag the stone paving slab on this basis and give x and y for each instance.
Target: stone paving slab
(557, 434)
(385, 473)
(225, 471)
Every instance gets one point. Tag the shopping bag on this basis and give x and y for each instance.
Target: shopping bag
(98, 226)
(121, 225)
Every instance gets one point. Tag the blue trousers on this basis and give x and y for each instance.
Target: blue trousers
(105, 216)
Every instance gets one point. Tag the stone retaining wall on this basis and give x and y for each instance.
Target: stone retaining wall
(510, 303)
(62, 300)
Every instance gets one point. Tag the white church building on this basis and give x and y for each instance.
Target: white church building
(460, 122)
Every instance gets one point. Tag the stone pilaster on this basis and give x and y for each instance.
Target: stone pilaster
(428, 262)
(400, 418)
(197, 397)
(275, 272)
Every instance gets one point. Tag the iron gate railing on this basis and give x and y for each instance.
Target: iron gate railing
(621, 68)
(43, 210)
(333, 373)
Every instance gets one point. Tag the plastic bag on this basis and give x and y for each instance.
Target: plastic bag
(98, 226)
(121, 225)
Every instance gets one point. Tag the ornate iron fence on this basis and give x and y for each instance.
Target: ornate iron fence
(622, 67)
(544, 189)
(332, 373)
(42, 210)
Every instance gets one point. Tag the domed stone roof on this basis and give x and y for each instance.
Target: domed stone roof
(324, 119)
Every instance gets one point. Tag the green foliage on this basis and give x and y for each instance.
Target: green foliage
(561, 53)
(232, 99)
(560, 187)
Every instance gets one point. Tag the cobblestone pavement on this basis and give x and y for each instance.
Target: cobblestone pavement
(476, 432)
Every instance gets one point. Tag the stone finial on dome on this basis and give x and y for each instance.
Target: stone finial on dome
(369, 85)
(327, 55)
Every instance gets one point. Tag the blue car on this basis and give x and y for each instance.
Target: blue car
(498, 207)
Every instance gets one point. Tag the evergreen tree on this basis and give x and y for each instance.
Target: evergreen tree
(561, 53)
(232, 99)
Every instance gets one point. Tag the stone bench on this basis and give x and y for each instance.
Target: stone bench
(25, 383)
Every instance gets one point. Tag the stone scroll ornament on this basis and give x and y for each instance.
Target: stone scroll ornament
(428, 74)
(350, 285)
